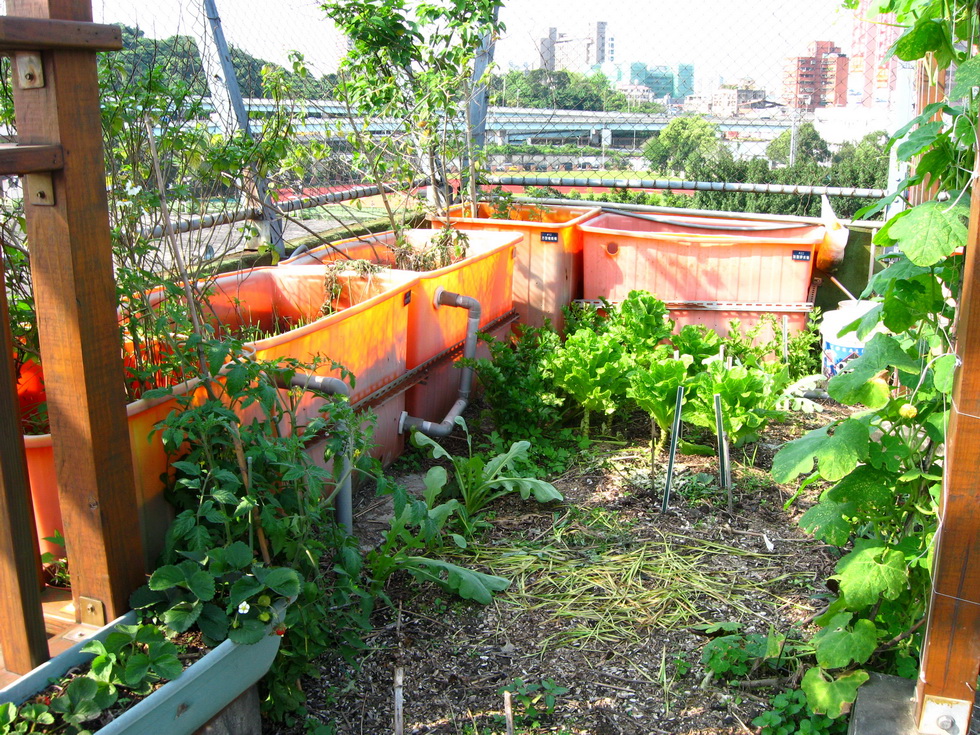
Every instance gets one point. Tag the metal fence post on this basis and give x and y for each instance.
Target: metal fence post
(229, 107)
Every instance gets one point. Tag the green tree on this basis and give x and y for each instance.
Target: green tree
(178, 59)
(683, 143)
(561, 90)
(809, 146)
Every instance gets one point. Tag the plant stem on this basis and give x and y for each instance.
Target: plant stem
(178, 257)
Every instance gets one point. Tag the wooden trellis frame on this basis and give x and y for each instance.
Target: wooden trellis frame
(951, 648)
(59, 153)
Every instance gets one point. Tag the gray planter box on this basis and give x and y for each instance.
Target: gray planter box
(179, 707)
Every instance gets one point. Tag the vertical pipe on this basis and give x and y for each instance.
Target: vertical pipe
(785, 339)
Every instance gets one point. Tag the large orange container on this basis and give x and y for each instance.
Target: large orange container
(717, 317)
(697, 259)
(485, 273)
(548, 265)
(268, 300)
(367, 332)
(150, 462)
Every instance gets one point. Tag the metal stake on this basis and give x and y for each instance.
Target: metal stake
(724, 470)
(675, 431)
(785, 339)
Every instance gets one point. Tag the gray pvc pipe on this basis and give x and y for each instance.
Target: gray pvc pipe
(670, 184)
(343, 503)
(702, 226)
(446, 426)
(748, 216)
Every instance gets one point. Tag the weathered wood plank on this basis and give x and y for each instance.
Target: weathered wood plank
(16, 159)
(951, 648)
(22, 635)
(71, 266)
(36, 34)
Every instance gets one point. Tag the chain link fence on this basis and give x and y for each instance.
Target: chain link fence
(623, 101)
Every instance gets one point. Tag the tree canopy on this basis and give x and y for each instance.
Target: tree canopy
(809, 146)
(861, 165)
(682, 143)
(561, 90)
(178, 58)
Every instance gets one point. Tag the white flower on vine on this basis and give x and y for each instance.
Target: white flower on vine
(243, 608)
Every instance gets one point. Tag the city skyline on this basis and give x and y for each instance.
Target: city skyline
(727, 42)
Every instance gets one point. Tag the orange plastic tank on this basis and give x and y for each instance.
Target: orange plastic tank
(485, 273)
(548, 265)
(366, 333)
(718, 316)
(150, 461)
(680, 258)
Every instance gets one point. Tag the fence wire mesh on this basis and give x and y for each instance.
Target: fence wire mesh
(624, 92)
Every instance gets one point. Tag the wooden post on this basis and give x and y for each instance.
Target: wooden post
(927, 93)
(22, 636)
(74, 291)
(951, 648)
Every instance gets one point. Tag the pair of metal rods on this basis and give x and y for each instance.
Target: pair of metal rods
(724, 463)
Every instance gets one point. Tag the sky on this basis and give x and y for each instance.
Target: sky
(733, 39)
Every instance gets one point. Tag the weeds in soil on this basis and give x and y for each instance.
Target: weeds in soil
(535, 702)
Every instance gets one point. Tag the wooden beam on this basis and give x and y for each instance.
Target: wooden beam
(927, 93)
(22, 636)
(75, 298)
(951, 648)
(35, 34)
(16, 159)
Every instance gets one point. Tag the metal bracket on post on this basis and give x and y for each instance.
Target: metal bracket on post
(91, 611)
(40, 189)
(30, 71)
(943, 716)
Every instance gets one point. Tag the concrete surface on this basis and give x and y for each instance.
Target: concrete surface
(884, 707)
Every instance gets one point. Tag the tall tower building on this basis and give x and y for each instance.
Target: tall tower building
(816, 80)
(872, 78)
(580, 51)
(684, 81)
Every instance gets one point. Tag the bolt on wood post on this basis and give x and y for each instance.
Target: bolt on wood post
(74, 290)
(951, 648)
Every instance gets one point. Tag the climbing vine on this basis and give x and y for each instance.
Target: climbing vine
(883, 466)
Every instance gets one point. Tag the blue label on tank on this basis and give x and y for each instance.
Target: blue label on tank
(836, 357)
(549, 237)
(801, 255)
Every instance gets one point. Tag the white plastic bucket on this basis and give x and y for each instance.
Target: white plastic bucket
(837, 349)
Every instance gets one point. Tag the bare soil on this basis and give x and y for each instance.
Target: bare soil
(606, 601)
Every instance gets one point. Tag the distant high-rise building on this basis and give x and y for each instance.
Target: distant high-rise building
(660, 79)
(684, 81)
(576, 52)
(816, 80)
(872, 78)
